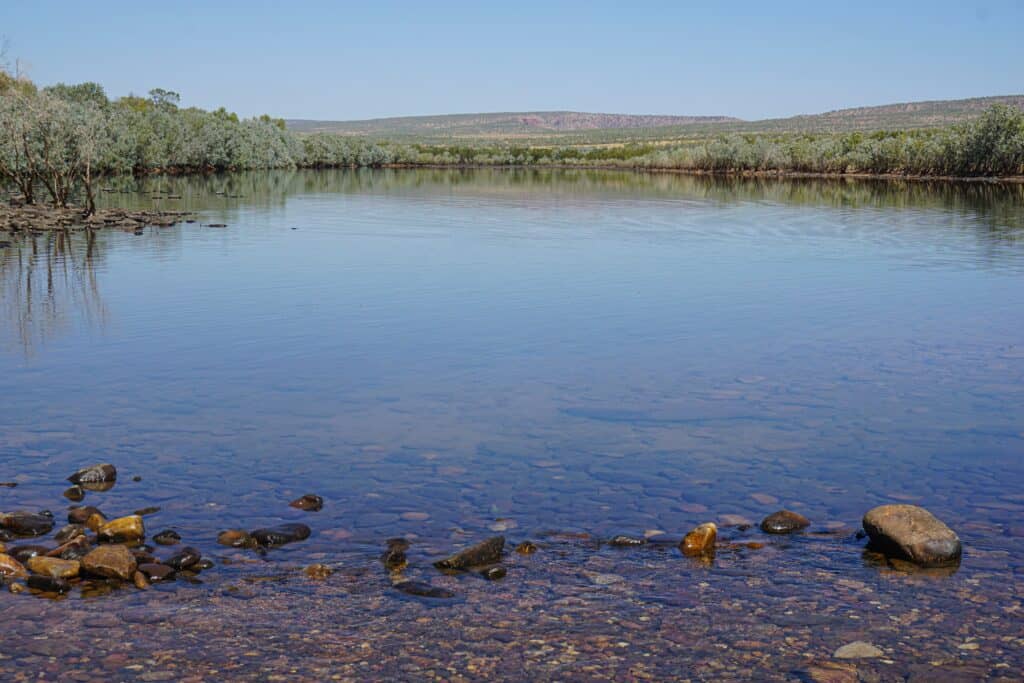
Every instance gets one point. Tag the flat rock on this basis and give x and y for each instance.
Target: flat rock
(912, 533)
(858, 650)
(54, 567)
(281, 534)
(481, 554)
(111, 562)
(420, 589)
(27, 523)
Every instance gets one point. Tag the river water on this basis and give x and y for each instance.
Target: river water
(554, 356)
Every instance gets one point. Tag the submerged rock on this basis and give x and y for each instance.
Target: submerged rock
(81, 514)
(236, 538)
(309, 502)
(110, 562)
(27, 523)
(54, 566)
(156, 571)
(423, 590)
(167, 537)
(75, 493)
(95, 474)
(281, 534)
(700, 541)
(912, 533)
(11, 567)
(122, 529)
(626, 541)
(858, 650)
(493, 572)
(784, 522)
(526, 548)
(487, 552)
(318, 571)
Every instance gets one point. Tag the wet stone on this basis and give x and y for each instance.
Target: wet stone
(167, 537)
(81, 514)
(394, 558)
(95, 474)
(27, 523)
(75, 494)
(281, 534)
(858, 650)
(623, 541)
(784, 522)
(155, 571)
(236, 538)
(526, 548)
(487, 552)
(48, 584)
(318, 571)
(700, 541)
(69, 532)
(11, 567)
(54, 567)
(122, 529)
(23, 553)
(493, 572)
(140, 580)
(184, 559)
(110, 561)
(912, 533)
(309, 502)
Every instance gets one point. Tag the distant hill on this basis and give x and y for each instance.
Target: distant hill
(565, 127)
(497, 124)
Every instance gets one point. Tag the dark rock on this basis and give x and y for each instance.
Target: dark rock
(75, 549)
(167, 537)
(281, 534)
(420, 589)
(308, 502)
(394, 558)
(23, 553)
(488, 552)
(75, 494)
(48, 584)
(27, 523)
(69, 532)
(183, 559)
(111, 562)
(151, 510)
(784, 522)
(912, 533)
(96, 474)
(81, 514)
(493, 572)
(202, 565)
(623, 541)
(155, 571)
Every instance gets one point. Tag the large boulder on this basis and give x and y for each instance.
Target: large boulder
(912, 533)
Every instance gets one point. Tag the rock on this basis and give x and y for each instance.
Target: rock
(281, 534)
(110, 562)
(155, 571)
(318, 571)
(69, 533)
(236, 538)
(183, 559)
(526, 548)
(912, 533)
(48, 584)
(122, 530)
(784, 522)
(626, 541)
(27, 523)
(830, 672)
(700, 541)
(394, 559)
(95, 521)
(488, 552)
(81, 514)
(309, 502)
(142, 512)
(96, 474)
(858, 650)
(420, 589)
(11, 567)
(23, 553)
(167, 537)
(201, 565)
(54, 566)
(493, 572)
(74, 549)
(140, 580)
(16, 588)
(75, 494)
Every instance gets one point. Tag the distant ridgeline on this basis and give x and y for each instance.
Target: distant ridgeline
(58, 140)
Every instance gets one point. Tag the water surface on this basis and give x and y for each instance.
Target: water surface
(559, 356)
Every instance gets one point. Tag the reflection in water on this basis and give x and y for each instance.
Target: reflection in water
(47, 284)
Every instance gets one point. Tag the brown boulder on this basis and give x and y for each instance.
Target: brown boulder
(110, 561)
(912, 533)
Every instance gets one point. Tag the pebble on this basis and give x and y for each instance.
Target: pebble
(281, 534)
(235, 538)
(309, 502)
(75, 493)
(318, 571)
(526, 548)
(700, 541)
(858, 650)
(493, 572)
(784, 522)
(167, 537)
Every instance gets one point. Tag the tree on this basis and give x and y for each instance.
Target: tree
(80, 94)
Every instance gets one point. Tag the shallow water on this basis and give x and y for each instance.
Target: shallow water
(555, 356)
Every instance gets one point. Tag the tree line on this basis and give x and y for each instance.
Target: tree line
(60, 139)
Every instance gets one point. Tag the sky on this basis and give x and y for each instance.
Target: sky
(351, 60)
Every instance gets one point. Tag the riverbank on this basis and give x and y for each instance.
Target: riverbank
(20, 218)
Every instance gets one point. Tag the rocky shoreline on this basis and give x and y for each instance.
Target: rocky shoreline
(18, 218)
(97, 555)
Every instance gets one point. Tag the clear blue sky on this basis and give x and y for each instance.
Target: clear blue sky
(344, 60)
